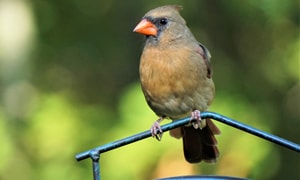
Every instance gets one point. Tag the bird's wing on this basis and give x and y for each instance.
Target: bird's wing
(206, 57)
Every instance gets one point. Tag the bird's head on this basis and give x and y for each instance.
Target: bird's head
(162, 24)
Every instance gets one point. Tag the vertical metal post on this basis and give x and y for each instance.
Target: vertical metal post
(95, 156)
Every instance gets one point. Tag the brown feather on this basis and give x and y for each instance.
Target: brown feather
(199, 145)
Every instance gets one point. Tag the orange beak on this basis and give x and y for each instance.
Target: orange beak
(146, 27)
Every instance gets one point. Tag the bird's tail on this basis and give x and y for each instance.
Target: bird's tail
(200, 144)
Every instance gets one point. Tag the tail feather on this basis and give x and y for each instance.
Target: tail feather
(200, 144)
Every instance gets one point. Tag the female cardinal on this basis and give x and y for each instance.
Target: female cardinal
(176, 79)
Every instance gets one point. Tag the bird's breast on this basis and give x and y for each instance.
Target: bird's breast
(173, 81)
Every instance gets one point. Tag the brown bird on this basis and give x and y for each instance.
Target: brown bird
(176, 79)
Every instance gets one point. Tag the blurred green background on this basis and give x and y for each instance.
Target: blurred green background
(69, 82)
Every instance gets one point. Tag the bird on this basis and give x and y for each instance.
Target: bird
(176, 80)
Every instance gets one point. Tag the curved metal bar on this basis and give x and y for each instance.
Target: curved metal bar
(184, 121)
(94, 153)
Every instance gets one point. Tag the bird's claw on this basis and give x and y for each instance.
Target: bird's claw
(196, 120)
(156, 130)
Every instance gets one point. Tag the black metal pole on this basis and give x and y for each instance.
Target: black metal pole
(94, 154)
(131, 139)
(244, 127)
(184, 121)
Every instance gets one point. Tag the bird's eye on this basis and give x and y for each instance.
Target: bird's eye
(163, 21)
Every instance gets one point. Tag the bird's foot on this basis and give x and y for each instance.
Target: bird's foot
(156, 130)
(196, 120)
